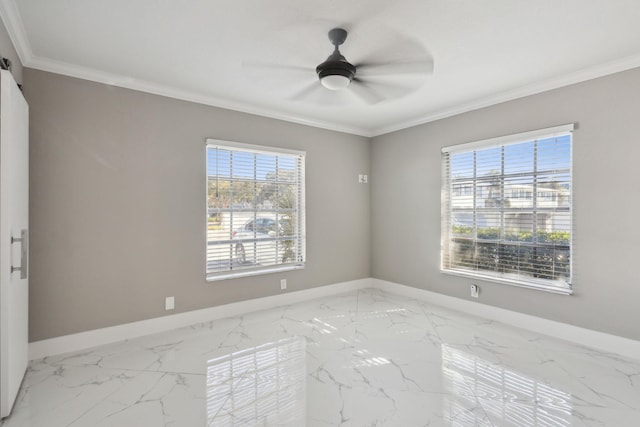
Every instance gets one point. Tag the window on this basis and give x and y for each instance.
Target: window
(255, 209)
(515, 225)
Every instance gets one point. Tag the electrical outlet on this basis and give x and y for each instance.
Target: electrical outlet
(283, 284)
(363, 179)
(475, 291)
(169, 303)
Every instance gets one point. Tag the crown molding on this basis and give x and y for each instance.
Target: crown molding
(94, 75)
(10, 16)
(85, 73)
(579, 76)
(12, 21)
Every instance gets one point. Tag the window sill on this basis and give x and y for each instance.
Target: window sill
(512, 282)
(256, 272)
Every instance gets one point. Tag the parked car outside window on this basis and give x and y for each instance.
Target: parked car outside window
(257, 241)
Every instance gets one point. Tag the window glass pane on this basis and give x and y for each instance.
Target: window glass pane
(463, 251)
(266, 167)
(462, 194)
(219, 195)
(287, 169)
(218, 163)
(554, 153)
(510, 259)
(489, 192)
(489, 162)
(462, 165)
(266, 196)
(488, 224)
(462, 224)
(518, 192)
(287, 198)
(518, 158)
(243, 165)
(518, 226)
(487, 258)
(218, 257)
(554, 190)
(554, 227)
(242, 194)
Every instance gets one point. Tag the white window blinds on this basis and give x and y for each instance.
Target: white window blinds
(255, 209)
(507, 209)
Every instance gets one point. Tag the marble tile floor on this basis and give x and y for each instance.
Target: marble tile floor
(364, 358)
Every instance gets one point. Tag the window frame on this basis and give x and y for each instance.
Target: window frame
(300, 214)
(447, 189)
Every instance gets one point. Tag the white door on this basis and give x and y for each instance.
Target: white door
(14, 222)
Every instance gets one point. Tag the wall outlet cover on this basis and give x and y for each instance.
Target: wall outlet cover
(475, 291)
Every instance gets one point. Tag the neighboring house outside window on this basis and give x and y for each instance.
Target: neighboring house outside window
(255, 209)
(507, 209)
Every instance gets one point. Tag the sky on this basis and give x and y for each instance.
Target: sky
(553, 154)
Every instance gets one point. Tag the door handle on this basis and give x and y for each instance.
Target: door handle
(24, 253)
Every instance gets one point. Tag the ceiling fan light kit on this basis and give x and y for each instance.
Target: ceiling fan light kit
(335, 81)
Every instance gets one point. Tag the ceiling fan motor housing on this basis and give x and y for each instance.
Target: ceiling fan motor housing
(336, 64)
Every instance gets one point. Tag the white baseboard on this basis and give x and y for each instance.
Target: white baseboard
(586, 337)
(589, 338)
(96, 337)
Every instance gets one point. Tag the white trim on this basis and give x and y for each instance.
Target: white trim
(254, 148)
(112, 79)
(12, 21)
(586, 337)
(538, 285)
(96, 337)
(590, 73)
(214, 277)
(511, 139)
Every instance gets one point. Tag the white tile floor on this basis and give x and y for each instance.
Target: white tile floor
(360, 359)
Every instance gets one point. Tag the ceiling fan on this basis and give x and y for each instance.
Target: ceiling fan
(336, 72)
(370, 81)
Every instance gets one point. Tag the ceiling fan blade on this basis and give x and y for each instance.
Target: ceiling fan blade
(277, 67)
(364, 92)
(311, 89)
(419, 66)
(383, 90)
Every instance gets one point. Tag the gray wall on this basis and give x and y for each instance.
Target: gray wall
(118, 204)
(405, 200)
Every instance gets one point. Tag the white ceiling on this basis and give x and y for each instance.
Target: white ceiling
(208, 51)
